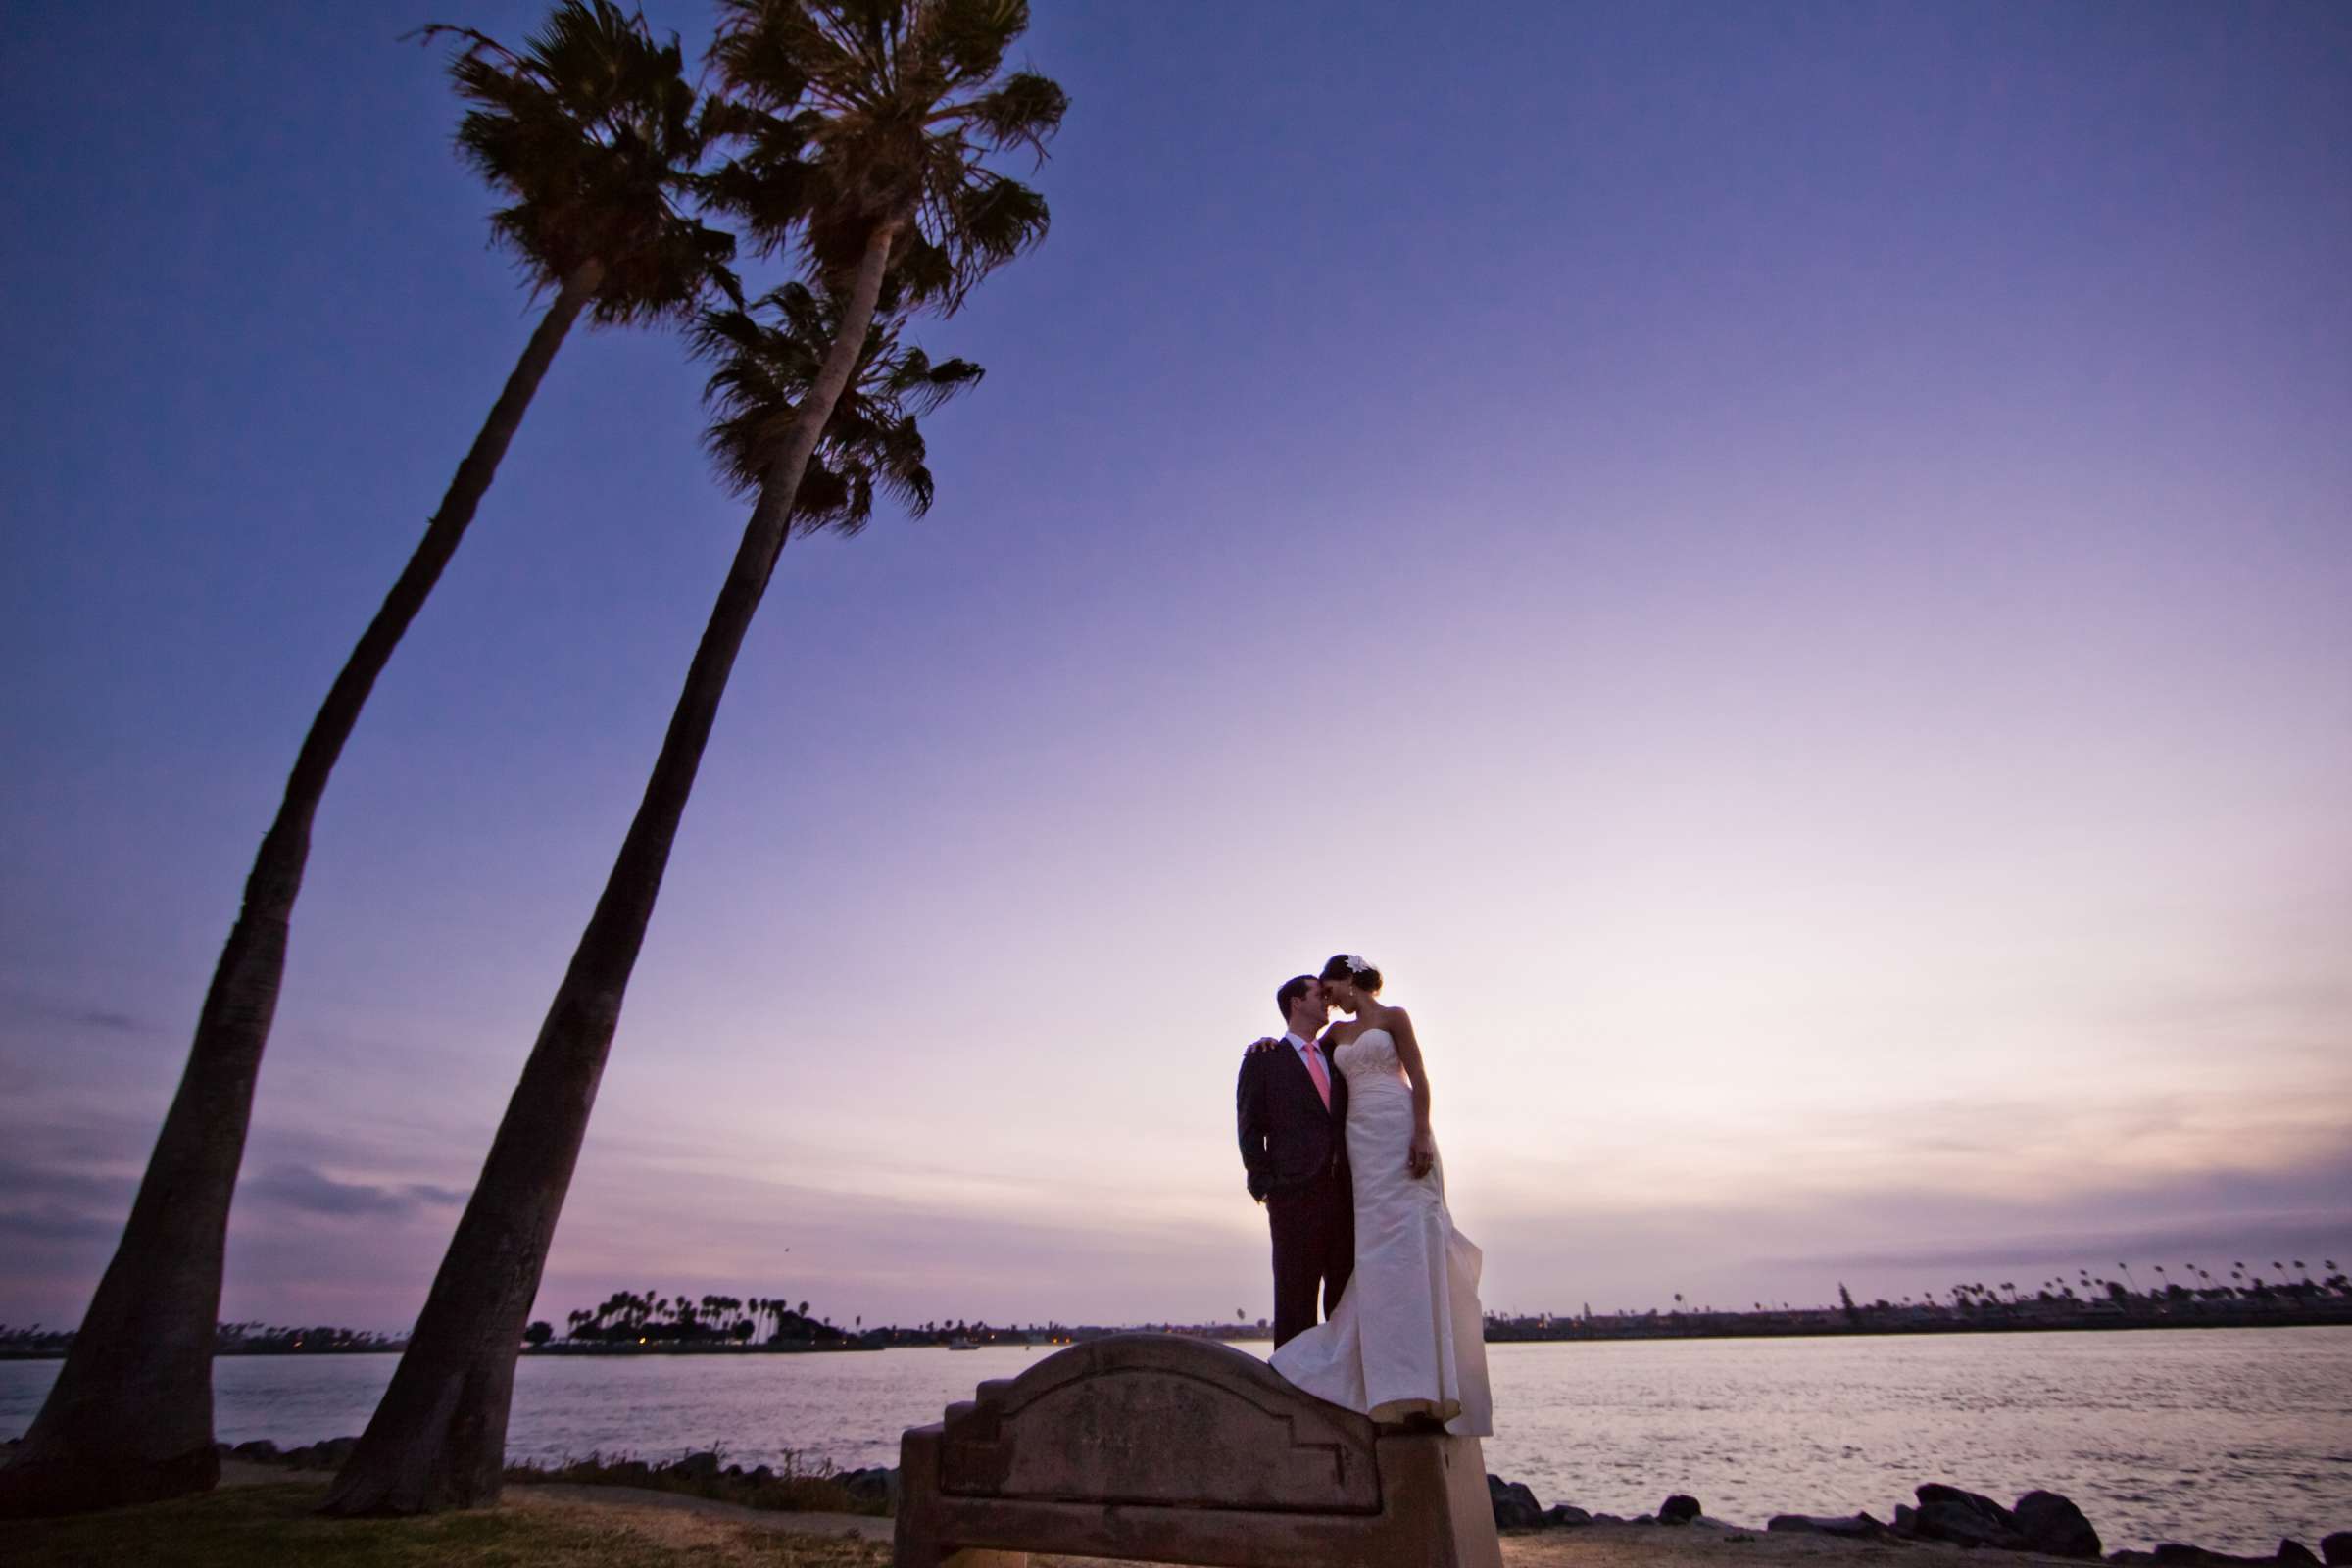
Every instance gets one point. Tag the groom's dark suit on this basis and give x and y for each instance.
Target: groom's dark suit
(1296, 1155)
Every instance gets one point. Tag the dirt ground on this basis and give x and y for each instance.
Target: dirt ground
(1668, 1546)
(685, 1521)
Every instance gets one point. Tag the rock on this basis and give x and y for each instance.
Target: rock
(1678, 1509)
(1859, 1527)
(1565, 1516)
(697, 1466)
(1606, 1519)
(1512, 1515)
(1964, 1518)
(2053, 1525)
(2181, 1554)
(296, 1458)
(2296, 1554)
(256, 1449)
(762, 1476)
(2336, 1550)
(334, 1453)
(1906, 1519)
(871, 1486)
(1514, 1503)
(1964, 1526)
(734, 1472)
(1938, 1492)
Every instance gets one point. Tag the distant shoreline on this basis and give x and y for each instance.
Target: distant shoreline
(1689, 1326)
(1836, 1323)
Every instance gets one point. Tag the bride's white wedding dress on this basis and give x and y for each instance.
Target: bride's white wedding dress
(1407, 1338)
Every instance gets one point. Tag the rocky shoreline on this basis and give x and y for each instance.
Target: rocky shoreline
(2042, 1523)
(2039, 1523)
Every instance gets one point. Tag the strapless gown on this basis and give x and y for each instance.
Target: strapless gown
(1408, 1337)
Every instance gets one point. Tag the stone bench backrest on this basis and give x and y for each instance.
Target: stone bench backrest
(1151, 1419)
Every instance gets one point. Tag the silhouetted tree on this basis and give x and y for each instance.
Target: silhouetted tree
(867, 124)
(591, 133)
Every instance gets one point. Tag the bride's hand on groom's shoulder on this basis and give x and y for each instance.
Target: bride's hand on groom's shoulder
(1261, 1043)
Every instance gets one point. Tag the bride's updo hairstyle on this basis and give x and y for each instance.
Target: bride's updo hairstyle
(1351, 967)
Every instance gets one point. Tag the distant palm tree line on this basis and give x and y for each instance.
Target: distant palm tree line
(2292, 1281)
(2295, 1294)
(852, 139)
(2087, 1289)
(627, 1316)
(642, 1317)
(229, 1339)
(624, 1317)
(2166, 1287)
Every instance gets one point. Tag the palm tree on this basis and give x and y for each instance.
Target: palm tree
(592, 134)
(868, 121)
(872, 444)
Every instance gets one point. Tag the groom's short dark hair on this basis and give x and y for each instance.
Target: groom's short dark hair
(1292, 990)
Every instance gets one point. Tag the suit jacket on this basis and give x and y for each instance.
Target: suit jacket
(1288, 1138)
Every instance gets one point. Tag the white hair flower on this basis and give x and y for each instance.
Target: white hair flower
(1355, 963)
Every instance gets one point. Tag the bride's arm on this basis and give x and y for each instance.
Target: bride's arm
(1422, 1152)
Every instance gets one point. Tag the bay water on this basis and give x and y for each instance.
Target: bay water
(2228, 1437)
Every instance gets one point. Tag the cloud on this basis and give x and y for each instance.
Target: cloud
(310, 1191)
(83, 1015)
(1899, 1236)
(64, 1185)
(51, 1223)
(2265, 1237)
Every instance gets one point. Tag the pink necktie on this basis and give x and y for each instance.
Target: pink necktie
(1314, 1069)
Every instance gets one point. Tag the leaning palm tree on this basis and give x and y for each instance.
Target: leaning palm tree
(438, 1438)
(593, 134)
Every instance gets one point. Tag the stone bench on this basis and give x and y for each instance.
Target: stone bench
(1159, 1447)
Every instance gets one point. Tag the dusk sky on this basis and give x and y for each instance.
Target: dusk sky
(1785, 571)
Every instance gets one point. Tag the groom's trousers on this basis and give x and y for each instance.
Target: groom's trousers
(1315, 1251)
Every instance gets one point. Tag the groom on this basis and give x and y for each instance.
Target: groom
(1292, 1105)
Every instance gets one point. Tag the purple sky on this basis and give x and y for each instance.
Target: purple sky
(1783, 569)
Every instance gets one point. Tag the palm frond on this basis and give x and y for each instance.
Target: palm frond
(971, 37)
(765, 360)
(851, 114)
(1024, 111)
(595, 138)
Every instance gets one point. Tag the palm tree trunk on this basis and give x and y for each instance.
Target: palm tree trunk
(438, 1439)
(129, 1418)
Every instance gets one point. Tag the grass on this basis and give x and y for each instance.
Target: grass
(798, 1487)
(278, 1526)
(263, 1526)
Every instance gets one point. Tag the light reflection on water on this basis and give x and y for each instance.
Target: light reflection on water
(2228, 1437)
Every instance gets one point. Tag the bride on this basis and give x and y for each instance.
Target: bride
(1406, 1344)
